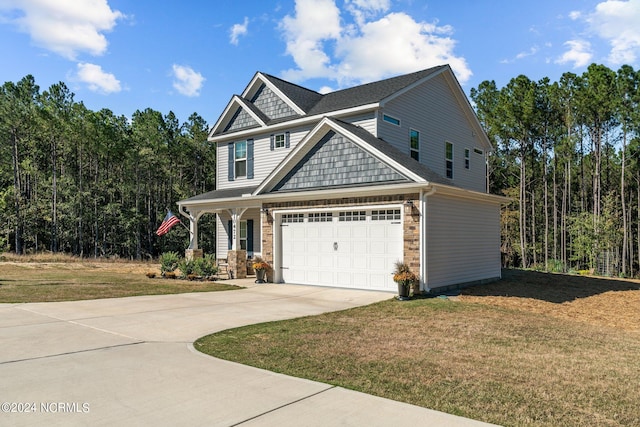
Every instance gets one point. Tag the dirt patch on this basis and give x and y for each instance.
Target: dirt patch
(594, 300)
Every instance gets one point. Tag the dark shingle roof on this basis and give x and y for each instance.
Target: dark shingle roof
(314, 103)
(302, 97)
(368, 93)
(221, 194)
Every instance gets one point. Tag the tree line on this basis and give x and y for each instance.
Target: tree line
(92, 183)
(567, 155)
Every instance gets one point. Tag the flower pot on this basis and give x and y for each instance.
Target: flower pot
(260, 276)
(403, 291)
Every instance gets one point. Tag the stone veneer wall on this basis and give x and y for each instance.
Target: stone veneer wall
(411, 226)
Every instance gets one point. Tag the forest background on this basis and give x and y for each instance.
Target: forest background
(94, 184)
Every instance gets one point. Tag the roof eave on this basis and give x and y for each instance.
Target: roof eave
(292, 123)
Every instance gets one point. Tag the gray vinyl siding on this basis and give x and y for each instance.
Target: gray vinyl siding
(266, 160)
(433, 110)
(222, 234)
(463, 240)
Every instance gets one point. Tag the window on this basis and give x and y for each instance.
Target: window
(352, 216)
(279, 140)
(478, 151)
(414, 144)
(243, 235)
(448, 159)
(320, 217)
(391, 120)
(241, 158)
(288, 218)
(385, 215)
(467, 158)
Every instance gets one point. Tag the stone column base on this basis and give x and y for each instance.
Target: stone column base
(192, 254)
(237, 263)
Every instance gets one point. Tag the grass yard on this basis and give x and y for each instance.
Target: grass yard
(534, 349)
(73, 279)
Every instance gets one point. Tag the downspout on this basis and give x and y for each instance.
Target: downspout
(424, 241)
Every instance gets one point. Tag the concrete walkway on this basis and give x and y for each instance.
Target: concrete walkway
(130, 362)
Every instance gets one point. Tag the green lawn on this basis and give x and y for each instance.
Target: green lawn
(502, 365)
(67, 281)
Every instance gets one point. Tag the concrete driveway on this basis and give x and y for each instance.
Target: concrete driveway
(130, 362)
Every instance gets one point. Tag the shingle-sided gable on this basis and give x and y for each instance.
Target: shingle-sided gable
(241, 120)
(336, 161)
(271, 105)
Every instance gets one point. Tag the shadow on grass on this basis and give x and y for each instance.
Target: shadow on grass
(550, 287)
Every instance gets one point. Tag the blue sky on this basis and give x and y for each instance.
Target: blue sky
(192, 56)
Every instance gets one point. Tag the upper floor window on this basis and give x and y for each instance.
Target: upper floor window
(414, 144)
(467, 158)
(241, 158)
(391, 120)
(448, 159)
(279, 140)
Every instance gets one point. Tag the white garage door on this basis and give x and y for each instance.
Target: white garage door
(354, 249)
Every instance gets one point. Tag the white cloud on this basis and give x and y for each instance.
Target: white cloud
(579, 53)
(187, 81)
(98, 80)
(377, 44)
(238, 30)
(618, 22)
(65, 27)
(315, 22)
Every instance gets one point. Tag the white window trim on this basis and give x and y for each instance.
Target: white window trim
(246, 233)
(446, 160)
(390, 119)
(275, 141)
(411, 149)
(236, 160)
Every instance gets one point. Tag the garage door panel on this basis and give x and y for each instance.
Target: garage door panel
(362, 257)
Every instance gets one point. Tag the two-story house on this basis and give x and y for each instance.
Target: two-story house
(333, 189)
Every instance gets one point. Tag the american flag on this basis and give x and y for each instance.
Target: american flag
(169, 221)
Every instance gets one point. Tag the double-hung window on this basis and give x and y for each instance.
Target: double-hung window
(243, 235)
(241, 158)
(467, 158)
(448, 159)
(414, 144)
(279, 140)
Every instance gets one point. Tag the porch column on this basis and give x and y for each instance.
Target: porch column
(236, 257)
(192, 250)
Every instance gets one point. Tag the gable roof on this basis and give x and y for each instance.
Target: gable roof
(370, 93)
(310, 103)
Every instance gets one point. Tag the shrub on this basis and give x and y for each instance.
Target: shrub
(168, 262)
(205, 267)
(186, 267)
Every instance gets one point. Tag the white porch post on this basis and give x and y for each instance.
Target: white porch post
(192, 250)
(236, 215)
(193, 228)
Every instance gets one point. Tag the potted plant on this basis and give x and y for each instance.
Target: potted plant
(405, 278)
(260, 266)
